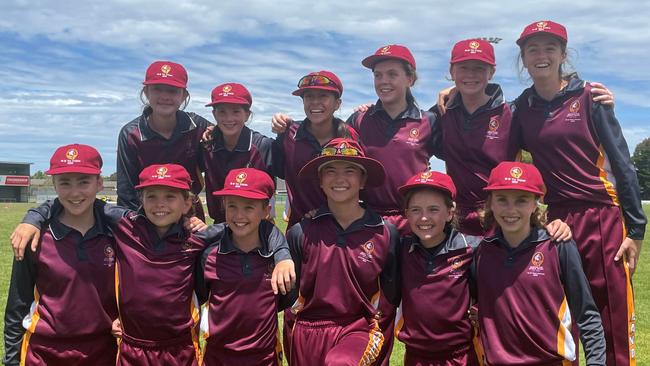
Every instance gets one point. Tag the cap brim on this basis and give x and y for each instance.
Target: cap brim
(162, 183)
(407, 187)
(514, 188)
(467, 58)
(73, 169)
(240, 101)
(374, 169)
(165, 82)
(241, 193)
(299, 92)
(522, 40)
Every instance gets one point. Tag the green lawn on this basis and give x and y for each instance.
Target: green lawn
(11, 213)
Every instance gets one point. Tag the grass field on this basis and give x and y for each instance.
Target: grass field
(11, 213)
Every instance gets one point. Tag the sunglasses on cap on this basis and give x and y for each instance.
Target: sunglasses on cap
(316, 80)
(345, 151)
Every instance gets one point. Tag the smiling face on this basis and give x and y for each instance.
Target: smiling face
(542, 56)
(164, 206)
(243, 216)
(427, 212)
(230, 119)
(341, 181)
(165, 100)
(391, 81)
(77, 192)
(320, 105)
(471, 76)
(512, 210)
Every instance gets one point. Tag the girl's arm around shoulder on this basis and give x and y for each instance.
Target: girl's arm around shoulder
(284, 272)
(390, 275)
(211, 234)
(581, 303)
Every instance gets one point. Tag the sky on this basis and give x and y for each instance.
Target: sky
(72, 70)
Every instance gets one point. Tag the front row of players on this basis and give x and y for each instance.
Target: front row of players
(146, 273)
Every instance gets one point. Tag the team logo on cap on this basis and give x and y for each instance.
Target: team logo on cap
(541, 26)
(161, 171)
(473, 46)
(71, 154)
(385, 50)
(226, 91)
(109, 255)
(241, 177)
(425, 175)
(516, 172)
(165, 71)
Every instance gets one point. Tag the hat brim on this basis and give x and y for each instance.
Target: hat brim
(374, 169)
(514, 188)
(299, 92)
(467, 58)
(372, 60)
(165, 82)
(232, 100)
(73, 169)
(241, 193)
(522, 40)
(162, 183)
(403, 190)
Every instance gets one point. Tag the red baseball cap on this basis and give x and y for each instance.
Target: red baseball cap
(430, 179)
(75, 158)
(247, 183)
(324, 80)
(543, 26)
(166, 72)
(232, 93)
(516, 175)
(392, 51)
(473, 49)
(343, 149)
(168, 175)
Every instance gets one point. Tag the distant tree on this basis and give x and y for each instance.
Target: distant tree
(111, 177)
(38, 175)
(641, 159)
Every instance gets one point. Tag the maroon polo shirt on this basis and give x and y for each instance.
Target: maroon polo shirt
(293, 150)
(579, 148)
(139, 146)
(403, 145)
(242, 309)
(342, 271)
(253, 150)
(528, 297)
(435, 293)
(68, 283)
(473, 144)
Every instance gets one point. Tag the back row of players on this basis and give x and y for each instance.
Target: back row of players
(576, 144)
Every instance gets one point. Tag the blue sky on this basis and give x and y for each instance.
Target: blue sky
(71, 71)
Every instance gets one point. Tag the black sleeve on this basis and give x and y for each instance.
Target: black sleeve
(279, 246)
(277, 155)
(354, 120)
(390, 275)
(471, 274)
(200, 286)
(264, 146)
(114, 213)
(295, 238)
(435, 142)
(581, 303)
(211, 234)
(37, 216)
(128, 170)
(19, 300)
(627, 185)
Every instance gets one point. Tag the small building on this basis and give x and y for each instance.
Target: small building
(14, 181)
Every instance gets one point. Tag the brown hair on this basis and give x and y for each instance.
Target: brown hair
(146, 108)
(448, 202)
(187, 194)
(410, 71)
(566, 71)
(537, 219)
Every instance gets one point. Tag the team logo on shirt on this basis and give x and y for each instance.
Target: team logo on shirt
(574, 112)
(368, 248)
(413, 140)
(187, 246)
(455, 266)
(109, 255)
(385, 50)
(493, 128)
(536, 269)
(165, 71)
(226, 91)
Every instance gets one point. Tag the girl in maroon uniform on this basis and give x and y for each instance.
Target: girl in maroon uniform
(345, 258)
(530, 289)
(164, 133)
(432, 319)
(592, 185)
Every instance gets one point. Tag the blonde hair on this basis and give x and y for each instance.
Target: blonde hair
(537, 218)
